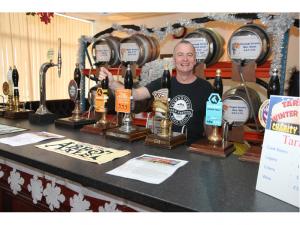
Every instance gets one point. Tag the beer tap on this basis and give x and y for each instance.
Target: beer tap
(15, 79)
(76, 114)
(104, 86)
(127, 119)
(165, 123)
(42, 74)
(10, 101)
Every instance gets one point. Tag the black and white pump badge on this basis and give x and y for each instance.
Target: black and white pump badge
(180, 110)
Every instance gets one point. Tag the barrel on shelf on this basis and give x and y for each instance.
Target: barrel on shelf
(106, 51)
(208, 43)
(139, 49)
(249, 42)
(236, 105)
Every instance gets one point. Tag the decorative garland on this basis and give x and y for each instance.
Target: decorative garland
(44, 16)
(276, 25)
(163, 32)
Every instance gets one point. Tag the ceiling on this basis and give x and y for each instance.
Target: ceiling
(113, 17)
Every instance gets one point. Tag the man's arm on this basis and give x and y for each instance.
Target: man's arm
(140, 93)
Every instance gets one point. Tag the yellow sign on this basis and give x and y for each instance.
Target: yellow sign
(123, 100)
(100, 100)
(84, 151)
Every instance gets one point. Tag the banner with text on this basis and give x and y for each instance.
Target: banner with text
(84, 151)
(278, 173)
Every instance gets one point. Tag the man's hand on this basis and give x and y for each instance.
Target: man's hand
(105, 73)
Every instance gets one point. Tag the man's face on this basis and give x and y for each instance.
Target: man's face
(184, 58)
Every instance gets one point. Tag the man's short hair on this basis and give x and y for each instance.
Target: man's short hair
(184, 41)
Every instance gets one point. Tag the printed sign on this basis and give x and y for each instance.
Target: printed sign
(278, 173)
(235, 111)
(123, 97)
(245, 47)
(284, 115)
(148, 168)
(213, 114)
(100, 100)
(129, 52)
(103, 53)
(201, 46)
(84, 151)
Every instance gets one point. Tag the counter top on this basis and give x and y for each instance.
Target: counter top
(205, 183)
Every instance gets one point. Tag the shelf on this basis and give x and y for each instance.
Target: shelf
(261, 71)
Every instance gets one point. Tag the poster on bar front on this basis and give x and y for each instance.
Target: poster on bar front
(279, 171)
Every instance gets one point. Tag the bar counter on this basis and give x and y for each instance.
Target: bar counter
(204, 184)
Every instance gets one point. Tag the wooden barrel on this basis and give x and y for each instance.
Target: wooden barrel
(154, 47)
(139, 49)
(236, 105)
(250, 43)
(208, 43)
(106, 51)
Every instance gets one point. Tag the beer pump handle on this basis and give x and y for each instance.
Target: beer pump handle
(104, 83)
(59, 60)
(77, 78)
(77, 75)
(15, 79)
(128, 80)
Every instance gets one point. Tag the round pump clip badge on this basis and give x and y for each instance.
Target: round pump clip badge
(73, 90)
(263, 112)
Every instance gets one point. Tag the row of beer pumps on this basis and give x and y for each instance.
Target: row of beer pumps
(11, 89)
(124, 128)
(13, 109)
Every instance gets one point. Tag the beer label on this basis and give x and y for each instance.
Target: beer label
(160, 103)
(161, 94)
(213, 116)
(235, 111)
(5, 88)
(245, 47)
(123, 100)
(100, 100)
(72, 89)
(9, 75)
(263, 113)
(103, 53)
(129, 52)
(201, 46)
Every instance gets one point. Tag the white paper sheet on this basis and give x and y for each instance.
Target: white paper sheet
(28, 138)
(5, 129)
(148, 168)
